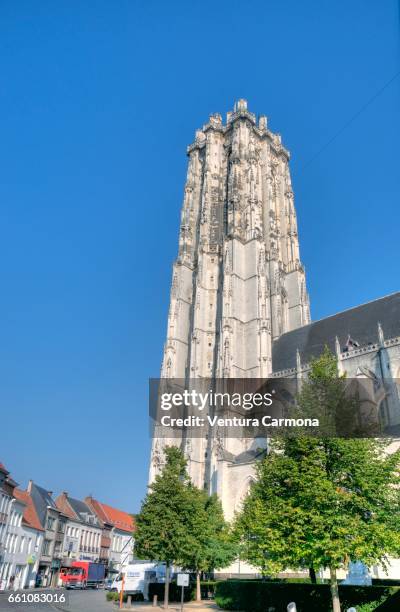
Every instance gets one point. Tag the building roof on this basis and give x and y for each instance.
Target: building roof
(361, 323)
(3, 468)
(80, 508)
(118, 518)
(76, 509)
(30, 516)
(7, 481)
(62, 503)
(98, 509)
(41, 499)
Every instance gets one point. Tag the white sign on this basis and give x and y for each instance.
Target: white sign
(183, 580)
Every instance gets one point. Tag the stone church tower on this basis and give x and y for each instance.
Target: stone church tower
(239, 304)
(238, 282)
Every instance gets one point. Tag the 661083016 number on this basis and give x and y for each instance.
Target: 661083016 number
(42, 597)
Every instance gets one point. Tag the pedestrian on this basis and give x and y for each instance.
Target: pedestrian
(11, 582)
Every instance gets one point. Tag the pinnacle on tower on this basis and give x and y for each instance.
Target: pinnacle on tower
(240, 105)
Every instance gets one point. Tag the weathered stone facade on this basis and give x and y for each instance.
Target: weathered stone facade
(239, 304)
(238, 282)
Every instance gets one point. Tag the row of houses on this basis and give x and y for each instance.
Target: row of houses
(40, 534)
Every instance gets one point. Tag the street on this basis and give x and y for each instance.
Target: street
(87, 601)
(77, 601)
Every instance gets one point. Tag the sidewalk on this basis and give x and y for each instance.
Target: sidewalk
(202, 606)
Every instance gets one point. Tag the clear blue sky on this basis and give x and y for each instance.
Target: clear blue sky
(98, 101)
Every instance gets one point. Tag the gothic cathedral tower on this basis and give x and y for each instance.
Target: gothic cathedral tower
(238, 282)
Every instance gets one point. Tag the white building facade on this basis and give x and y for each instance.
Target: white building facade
(6, 507)
(31, 550)
(23, 539)
(83, 531)
(72, 540)
(13, 559)
(121, 550)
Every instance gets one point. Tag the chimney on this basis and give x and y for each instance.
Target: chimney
(29, 487)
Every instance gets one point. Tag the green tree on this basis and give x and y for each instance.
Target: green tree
(319, 502)
(335, 401)
(214, 546)
(181, 525)
(163, 526)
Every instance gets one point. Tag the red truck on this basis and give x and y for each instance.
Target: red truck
(82, 575)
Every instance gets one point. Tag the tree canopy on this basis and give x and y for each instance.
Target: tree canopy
(320, 502)
(181, 524)
(214, 545)
(162, 524)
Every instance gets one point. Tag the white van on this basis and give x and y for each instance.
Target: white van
(137, 577)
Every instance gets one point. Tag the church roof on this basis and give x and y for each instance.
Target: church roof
(360, 323)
